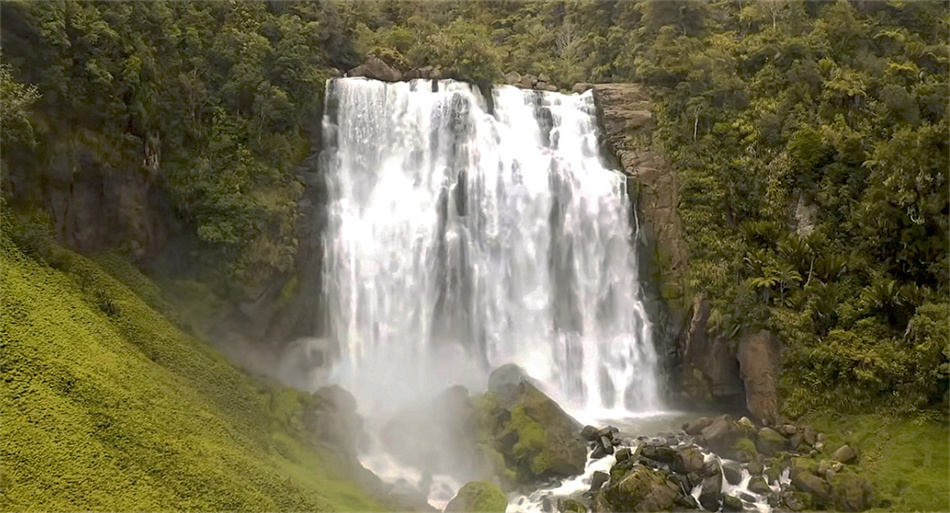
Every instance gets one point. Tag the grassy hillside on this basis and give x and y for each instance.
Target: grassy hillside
(107, 405)
(906, 458)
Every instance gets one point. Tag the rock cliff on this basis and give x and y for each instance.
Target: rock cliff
(704, 368)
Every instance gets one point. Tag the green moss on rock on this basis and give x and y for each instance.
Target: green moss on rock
(743, 450)
(478, 496)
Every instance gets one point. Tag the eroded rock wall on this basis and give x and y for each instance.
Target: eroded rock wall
(703, 369)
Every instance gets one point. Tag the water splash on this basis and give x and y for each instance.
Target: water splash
(460, 239)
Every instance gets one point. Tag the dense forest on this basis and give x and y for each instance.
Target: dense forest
(810, 140)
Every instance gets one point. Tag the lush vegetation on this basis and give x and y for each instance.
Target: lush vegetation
(810, 138)
(811, 142)
(212, 102)
(812, 145)
(107, 405)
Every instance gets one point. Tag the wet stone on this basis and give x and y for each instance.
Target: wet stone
(623, 454)
(732, 472)
(687, 502)
(590, 433)
(731, 503)
(758, 485)
(598, 479)
(746, 497)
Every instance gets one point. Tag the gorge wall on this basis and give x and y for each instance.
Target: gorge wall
(703, 369)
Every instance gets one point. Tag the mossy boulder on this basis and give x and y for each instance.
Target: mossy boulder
(849, 492)
(570, 506)
(742, 450)
(688, 460)
(758, 485)
(770, 442)
(478, 496)
(641, 489)
(535, 437)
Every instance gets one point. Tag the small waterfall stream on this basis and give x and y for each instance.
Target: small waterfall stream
(461, 239)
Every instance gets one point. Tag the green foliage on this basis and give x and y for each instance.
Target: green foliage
(16, 99)
(814, 170)
(212, 102)
(108, 406)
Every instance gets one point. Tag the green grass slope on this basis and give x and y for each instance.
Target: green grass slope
(907, 459)
(107, 405)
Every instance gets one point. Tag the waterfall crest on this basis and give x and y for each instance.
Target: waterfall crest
(460, 239)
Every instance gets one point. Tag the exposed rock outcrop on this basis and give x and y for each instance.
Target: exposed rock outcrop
(628, 126)
(376, 68)
(758, 356)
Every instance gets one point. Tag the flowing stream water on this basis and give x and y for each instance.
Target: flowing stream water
(464, 234)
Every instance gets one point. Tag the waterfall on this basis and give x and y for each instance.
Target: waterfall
(462, 236)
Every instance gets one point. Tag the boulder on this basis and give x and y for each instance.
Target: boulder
(742, 450)
(845, 454)
(697, 426)
(334, 421)
(711, 468)
(732, 472)
(641, 489)
(581, 87)
(622, 454)
(687, 460)
(536, 438)
(758, 485)
(660, 453)
(598, 479)
(512, 77)
(721, 434)
(809, 435)
(745, 424)
(590, 433)
(505, 382)
(796, 442)
(755, 467)
(788, 430)
(478, 496)
(849, 492)
(686, 501)
(527, 81)
(543, 77)
(710, 496)
(770, 442)
(570, 506)
(810, 483)
(731, 503)
(547, 87)
(598, 452)
(374, 67)
(758, 354)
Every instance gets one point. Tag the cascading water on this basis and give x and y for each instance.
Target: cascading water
(459, 240)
